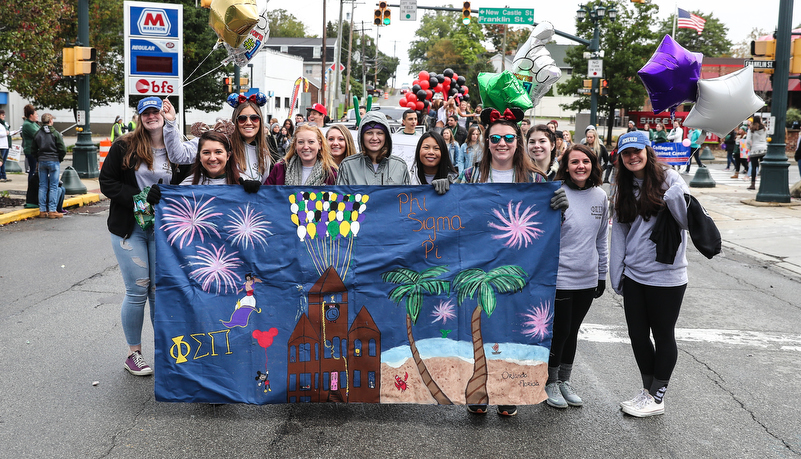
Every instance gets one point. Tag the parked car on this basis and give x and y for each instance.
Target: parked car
(375, 92)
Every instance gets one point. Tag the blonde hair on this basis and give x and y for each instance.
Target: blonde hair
(324, 155)
(350, 146)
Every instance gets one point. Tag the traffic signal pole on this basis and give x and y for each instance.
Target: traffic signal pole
(774, 186)
(84, 153)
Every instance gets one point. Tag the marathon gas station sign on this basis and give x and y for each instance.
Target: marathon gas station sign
(154, 50)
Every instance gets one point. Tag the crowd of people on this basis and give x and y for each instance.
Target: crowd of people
(251, 152)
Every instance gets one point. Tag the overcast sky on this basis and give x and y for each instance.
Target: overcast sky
(740, 17)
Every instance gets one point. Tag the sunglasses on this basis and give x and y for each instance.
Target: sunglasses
(242, 119)
(508, 138)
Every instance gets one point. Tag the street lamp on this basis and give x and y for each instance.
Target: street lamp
(595, 15)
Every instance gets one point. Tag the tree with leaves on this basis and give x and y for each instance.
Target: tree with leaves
(628, 43)
(285, 24)
(205, 94)
(412, 286)
(515, 36)
(712, 42)
(484, 286)
(387, 65)
(743, 48)
(444, 42)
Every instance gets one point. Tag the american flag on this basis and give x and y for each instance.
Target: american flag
(688, 20)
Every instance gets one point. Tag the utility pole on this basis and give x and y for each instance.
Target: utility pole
(364, 67)
(337, 59)
(350, 58)
(84, 154)
(375, 73)
(322, 56)
(503, 52)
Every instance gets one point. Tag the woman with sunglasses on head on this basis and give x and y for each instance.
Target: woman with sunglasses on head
(341, 143)
(249, 148)
(135, 161)
(541, 145)
(308, 161)
(583, 256)
(505, 161)
(652, 290)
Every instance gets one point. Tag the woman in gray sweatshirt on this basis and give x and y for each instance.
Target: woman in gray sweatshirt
(652, 291)
(583, 256)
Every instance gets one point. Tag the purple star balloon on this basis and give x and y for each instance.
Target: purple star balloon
(671, 75)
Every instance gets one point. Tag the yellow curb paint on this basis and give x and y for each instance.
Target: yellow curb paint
(23, 214)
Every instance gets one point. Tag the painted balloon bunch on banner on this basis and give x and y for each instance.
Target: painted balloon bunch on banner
(240, 28)
(427, 84)
(327, 222)
(673, 76)
(533, 64)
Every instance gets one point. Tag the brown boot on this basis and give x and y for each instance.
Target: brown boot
(753, 184)
(43, 214)
(736, 175)
(55, 215)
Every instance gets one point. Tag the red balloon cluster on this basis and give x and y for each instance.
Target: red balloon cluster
(429, 83)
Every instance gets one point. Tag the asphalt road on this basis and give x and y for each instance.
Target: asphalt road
(733, 394)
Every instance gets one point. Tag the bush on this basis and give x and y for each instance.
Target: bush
(793, 114)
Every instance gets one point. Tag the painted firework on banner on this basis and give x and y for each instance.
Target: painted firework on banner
(322, 301)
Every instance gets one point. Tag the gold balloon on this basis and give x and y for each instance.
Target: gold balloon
(232, 20)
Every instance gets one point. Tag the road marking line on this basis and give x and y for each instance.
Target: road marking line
(769, 340)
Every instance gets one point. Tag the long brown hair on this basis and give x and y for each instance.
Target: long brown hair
(238, 143)
(231, 172)
(543, 128)
(757, 125)
(595, 176)
(627, 206)
(350, 146)
(137, 149)
(324, 155)
(521, 163)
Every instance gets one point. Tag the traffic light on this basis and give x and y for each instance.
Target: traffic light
(228, 83)
(795, 56)
(378, 17)
(466, 13)
(84, 60)
(604, 88)
(764, 49)
(387, 16)
(68, 55)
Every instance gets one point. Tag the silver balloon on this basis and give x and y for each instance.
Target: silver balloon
(533, 64)
(724, 102)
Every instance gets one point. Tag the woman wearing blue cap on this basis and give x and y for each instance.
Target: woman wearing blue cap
(135, 161)
(652, 290)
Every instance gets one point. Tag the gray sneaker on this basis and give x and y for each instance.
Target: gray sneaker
(555, 398)
(569, 394)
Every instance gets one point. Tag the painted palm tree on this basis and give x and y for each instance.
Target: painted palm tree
(412, 287)
(485, 285)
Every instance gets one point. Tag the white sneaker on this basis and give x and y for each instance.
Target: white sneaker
(643, 393)
(645, 407)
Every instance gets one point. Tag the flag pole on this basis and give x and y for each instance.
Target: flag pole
(675, 15)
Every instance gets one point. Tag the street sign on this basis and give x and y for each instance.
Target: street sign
(595, 68)
(341, 67)
(515, 16)
(408, 10)
(584, 90)
(760, 66)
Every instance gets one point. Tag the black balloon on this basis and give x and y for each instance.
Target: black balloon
(466, 97)
(462, 89)
(448, 73)
(433, 81)
(452, 92)
(460, 80)
(421, 94)
(416, 88)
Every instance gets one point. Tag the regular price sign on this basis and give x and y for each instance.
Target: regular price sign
(515, 16)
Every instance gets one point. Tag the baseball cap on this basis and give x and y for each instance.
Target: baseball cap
(318, 108)
(633, 139)
(148, 102)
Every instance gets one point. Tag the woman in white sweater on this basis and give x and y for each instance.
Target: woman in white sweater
(583, 256)
(757, 142)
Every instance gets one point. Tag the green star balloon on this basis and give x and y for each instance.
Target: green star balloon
(503, 90)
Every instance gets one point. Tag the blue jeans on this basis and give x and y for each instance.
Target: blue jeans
(48, 184)
(4, 155)
(137, 259)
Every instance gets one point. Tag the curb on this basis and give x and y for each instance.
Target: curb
(77, 201)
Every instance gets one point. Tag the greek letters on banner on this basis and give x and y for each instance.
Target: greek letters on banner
(672, 153)
(355, 294)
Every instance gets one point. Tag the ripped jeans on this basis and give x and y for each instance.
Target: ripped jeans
(137, 259)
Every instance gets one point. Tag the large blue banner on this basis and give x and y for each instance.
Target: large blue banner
(672, 153)
(355, 294)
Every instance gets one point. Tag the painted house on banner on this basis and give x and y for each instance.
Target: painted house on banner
(328, 360)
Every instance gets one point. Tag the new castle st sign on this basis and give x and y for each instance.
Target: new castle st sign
(505, 16)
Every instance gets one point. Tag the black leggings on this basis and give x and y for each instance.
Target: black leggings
(653, 310)
(569, 310)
